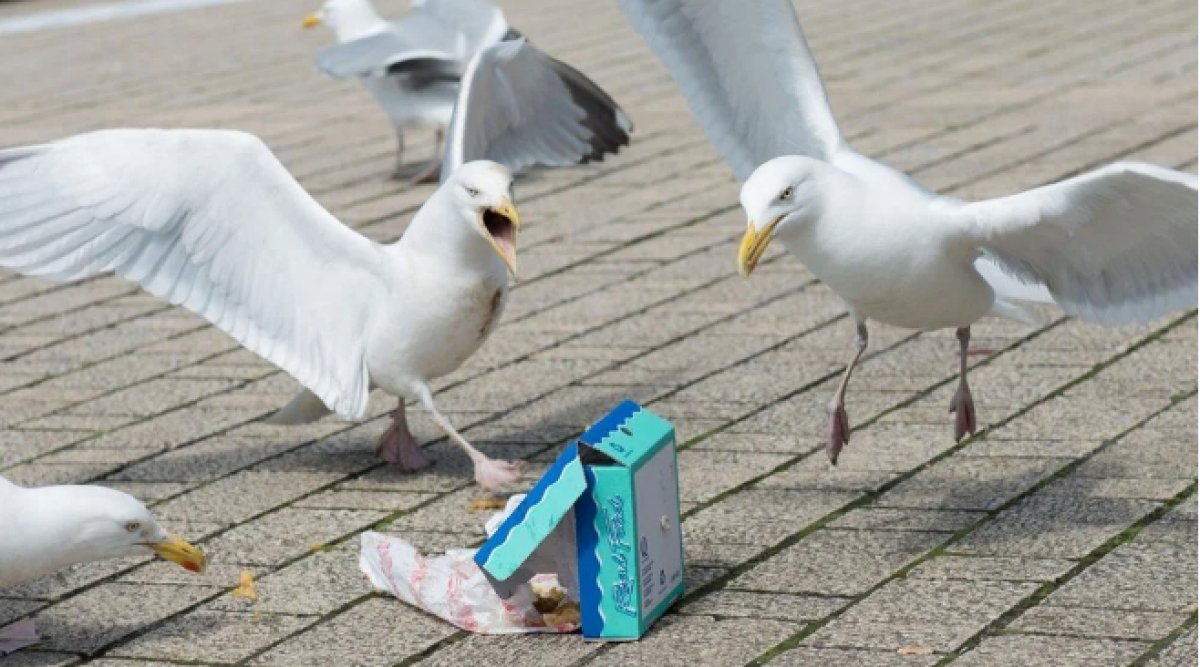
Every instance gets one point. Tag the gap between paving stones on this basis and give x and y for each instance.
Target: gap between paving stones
(1161, 645)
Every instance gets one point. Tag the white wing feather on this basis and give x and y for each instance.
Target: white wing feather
(209, 220)
(1113, 245)
(519, 107)
(747, 74)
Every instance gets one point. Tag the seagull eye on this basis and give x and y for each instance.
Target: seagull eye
(472, 192)
(133, 526)
(786, 194)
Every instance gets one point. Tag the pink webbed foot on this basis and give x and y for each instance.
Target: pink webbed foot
(963, 407)
(398, 447)
(17, 636)
(839, 432)
(491, 474)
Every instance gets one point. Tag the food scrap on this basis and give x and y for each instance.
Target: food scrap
(913, 649)
(565, 615)
(245, 589)
(546, 598)
(489, 503)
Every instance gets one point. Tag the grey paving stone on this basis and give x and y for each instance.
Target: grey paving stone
(213, 636)
(316, 584)
(1050, 525)
(1097, 623)
(837, 562)
(956, 566)
(39, 658)
(1179, 653)
(939, 615)
(809, 656)
(703, 474)
(512, 649)
(109, 612)
(752, 604)
(970, 483)
(1036, 651)
(13, 610)
(380, 631)
(761, 516)
(709, 641)
(882, 518)
(1154, 576)
(287, 534)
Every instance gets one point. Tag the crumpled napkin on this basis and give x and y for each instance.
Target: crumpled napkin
(453, 588)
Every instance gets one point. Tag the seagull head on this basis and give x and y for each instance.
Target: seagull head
(481, 192)
(347, 18)
(102, 523)
(780, 197)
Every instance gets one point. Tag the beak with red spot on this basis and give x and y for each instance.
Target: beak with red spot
(177, 550)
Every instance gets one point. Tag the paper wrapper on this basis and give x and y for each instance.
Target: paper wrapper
(453, 588)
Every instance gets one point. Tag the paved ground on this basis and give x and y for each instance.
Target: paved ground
(1063, 535)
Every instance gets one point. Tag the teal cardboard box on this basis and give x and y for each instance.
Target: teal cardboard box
(619, 485)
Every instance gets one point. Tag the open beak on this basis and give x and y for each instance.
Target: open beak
(178, 550)
(311, 21)
(501, 224)
(754, 244)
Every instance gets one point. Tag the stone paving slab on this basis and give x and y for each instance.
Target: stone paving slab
(1064, 534)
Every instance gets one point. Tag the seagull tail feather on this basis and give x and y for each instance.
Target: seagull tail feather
(302, 409)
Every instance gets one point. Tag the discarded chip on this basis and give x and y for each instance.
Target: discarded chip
(490, 503)
(566, 615)
(245, 589)
(913, 649)
(547, 598)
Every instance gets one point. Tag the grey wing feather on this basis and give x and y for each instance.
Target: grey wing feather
(519, 107)
(378, 55)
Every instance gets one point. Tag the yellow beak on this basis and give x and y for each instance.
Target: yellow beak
(312, 21)
(501, 224)
(754, 244)
(178, 550)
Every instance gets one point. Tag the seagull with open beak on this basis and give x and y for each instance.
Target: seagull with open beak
(210, 220)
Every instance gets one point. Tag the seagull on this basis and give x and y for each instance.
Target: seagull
(1113, 245)
(424, 67)
(211, 221)
(49, 528)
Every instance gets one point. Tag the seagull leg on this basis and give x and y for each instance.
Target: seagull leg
(398, 172)
(962, 405)
(490, 474)
(839, 423)
(433, 170)
(399, 447)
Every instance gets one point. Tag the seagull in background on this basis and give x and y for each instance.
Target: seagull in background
(50, 528)
(1110, 246)
(422, 68)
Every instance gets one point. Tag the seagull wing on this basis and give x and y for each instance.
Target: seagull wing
(385, 53)
(1113, 245)
(209, 220)
(477, 24)
(747, 74)
(520, 107)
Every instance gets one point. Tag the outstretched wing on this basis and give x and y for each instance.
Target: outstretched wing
(747, 74)
(385, 53)
(209, 220)
(520, 107)
(1113, 245)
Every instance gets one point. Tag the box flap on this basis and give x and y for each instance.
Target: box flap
(629, 434)
(543, 508)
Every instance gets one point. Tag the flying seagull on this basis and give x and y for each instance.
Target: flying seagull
(1112, 245)
(210, 220)
(46, 529)
(461, 54)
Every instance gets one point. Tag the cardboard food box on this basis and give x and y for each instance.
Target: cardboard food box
(618, 485)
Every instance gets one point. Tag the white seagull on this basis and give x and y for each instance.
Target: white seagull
(422, 68)
(210, 220)
(1113, 245)
(46, 529)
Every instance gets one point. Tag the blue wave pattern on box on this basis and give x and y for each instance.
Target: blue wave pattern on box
(546, 504)
(587, 546)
